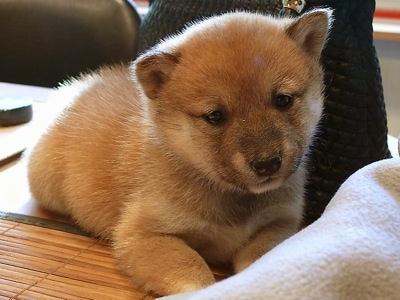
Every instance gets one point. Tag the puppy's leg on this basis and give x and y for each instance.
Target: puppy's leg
(159, 263)
(266, 239)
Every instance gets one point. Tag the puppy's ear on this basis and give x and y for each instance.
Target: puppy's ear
(153, 70)
(310, 31)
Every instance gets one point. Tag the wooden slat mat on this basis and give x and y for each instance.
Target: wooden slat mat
(42, 263)
(45, 259)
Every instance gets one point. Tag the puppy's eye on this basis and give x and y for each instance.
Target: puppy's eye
(214, 117)
(283, 101)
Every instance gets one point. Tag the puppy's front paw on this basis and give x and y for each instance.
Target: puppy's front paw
(161, 264)
(191, 282)
(244, 259)
(263, 242)
(173, 277)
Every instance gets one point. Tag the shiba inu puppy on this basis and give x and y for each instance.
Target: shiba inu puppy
(193, 155)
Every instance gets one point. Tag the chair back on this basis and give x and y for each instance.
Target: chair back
(44, 42)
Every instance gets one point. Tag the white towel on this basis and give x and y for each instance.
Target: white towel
(351, 252)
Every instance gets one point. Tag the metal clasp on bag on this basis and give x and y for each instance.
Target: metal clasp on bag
(296, 5)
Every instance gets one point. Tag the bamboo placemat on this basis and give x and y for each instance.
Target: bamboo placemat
(42, 263)
(45, 259)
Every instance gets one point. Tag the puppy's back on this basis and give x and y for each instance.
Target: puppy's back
(96, 121)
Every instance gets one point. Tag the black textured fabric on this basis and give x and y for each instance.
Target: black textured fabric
(353, 131)
(166, 17)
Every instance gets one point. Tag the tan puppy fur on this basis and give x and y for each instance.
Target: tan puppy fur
(195, 153)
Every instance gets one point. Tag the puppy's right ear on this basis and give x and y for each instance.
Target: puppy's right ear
(153, 70)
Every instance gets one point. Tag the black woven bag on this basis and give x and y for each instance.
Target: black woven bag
(354, 128)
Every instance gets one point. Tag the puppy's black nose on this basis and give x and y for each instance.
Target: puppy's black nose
(267, 166)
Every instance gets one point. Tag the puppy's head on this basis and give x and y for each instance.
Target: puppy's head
(238, 96)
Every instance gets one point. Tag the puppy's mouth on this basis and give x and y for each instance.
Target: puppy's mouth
(254, 187)
(267, 184)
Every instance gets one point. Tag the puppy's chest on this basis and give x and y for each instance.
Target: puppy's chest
(219, 242)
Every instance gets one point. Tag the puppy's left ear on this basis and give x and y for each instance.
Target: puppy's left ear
(311, 30)
(153, 70)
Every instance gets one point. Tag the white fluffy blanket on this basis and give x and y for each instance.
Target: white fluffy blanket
(351, 252)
